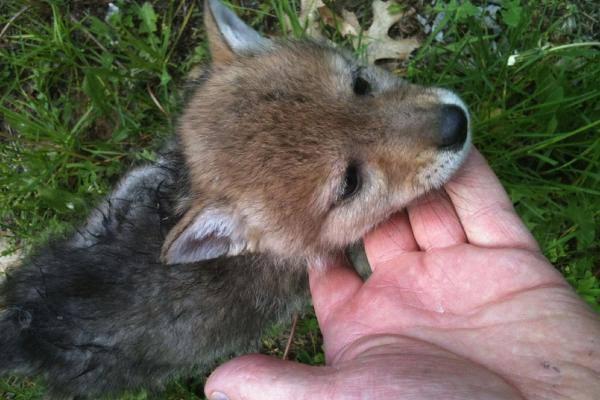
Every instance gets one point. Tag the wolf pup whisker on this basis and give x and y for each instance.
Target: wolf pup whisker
(287, 153)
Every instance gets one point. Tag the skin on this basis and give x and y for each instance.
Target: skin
(461, 305)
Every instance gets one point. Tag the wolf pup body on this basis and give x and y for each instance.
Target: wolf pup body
(288, 152)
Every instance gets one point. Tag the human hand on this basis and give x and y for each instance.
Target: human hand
(461, 304)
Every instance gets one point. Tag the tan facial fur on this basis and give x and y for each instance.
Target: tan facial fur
(269, 136)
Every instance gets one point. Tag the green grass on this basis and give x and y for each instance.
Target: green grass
(82, 99)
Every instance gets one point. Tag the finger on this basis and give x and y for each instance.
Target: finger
(332, 287)
(390, 240)
(435, 223)
(484, 209)
(262, 377)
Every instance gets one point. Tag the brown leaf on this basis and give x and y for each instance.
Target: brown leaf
(350, 25)
(379, 44)
(309, 15)
(327, 16)
(8, 260)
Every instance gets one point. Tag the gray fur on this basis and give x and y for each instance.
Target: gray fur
(98, 313)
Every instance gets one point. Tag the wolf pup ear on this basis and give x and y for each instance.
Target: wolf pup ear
(228, 35)
(203, 234)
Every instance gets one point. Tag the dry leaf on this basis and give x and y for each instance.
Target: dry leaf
(327, 16)
(379, 44)
(311, 11)
(350, 25)
(309, 15)
(9, 260)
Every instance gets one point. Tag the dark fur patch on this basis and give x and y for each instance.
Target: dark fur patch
(97, 313)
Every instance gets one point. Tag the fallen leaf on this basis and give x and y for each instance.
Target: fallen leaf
(376, 41)
(379, 45)
(8, 259)
(327, 16)
(350, 25)
(309, 16)
(347, 23)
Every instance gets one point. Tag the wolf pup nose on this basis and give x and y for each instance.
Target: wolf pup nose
(453, 127)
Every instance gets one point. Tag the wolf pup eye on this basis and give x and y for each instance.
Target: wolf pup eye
(352, 182)
(360, 85)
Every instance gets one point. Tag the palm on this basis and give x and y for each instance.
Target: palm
(492, 302)
(475, 304)
(461, 304)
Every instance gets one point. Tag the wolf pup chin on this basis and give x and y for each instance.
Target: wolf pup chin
(287, 152)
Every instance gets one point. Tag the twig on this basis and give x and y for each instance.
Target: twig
(12, 19)
(590, 17)
(288, 345)
(155, 100)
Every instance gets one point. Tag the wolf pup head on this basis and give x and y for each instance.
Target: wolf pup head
(297, 149)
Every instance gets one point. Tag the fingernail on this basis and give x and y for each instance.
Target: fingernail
(218, 396)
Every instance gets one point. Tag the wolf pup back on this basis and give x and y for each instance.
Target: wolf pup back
(288, 152)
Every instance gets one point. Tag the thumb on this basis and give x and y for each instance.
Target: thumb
(262, 377)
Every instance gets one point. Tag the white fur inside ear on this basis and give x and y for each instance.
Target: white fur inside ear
(239, 37)
(211, 234)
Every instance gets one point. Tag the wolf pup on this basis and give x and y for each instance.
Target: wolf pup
(288, 152)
